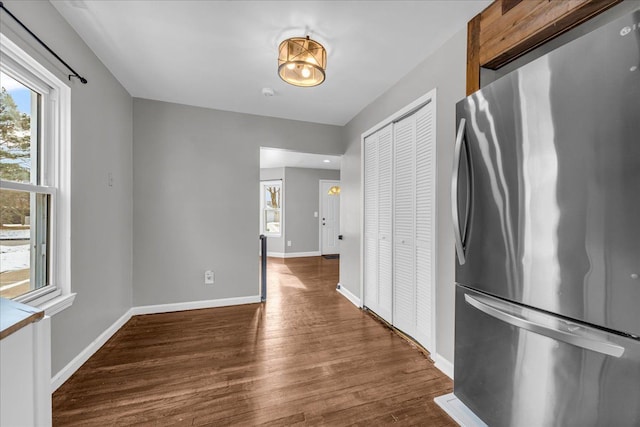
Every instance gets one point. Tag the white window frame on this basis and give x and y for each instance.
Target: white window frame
(264, 184)
(56, 173)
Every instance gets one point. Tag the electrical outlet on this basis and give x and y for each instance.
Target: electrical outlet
(209, 277)
(288, 242)
(315, 214)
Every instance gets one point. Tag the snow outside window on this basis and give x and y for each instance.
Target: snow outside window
(34, 182)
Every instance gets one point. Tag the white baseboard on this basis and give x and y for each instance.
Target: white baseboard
(348, 295)
(65, 373)
(293, 254)
(301, 254)
(444, 365)
(193, 305)
(458, 411)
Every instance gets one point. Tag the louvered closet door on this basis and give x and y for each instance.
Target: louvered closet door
(399, 173)
(413, 225)
(378, 252)
(370, 256)
(424, 197)
(404, 295)
(385, 223)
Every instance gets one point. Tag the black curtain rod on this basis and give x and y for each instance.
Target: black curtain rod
(78, 76)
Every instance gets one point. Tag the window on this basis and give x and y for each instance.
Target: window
(34, 182)
(271, 208)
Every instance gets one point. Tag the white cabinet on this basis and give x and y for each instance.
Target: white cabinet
(399, 171)
(25, 366)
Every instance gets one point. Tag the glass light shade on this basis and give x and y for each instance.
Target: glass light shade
(302, 61)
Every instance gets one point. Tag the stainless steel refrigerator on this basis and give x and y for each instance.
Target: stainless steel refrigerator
(546, 202)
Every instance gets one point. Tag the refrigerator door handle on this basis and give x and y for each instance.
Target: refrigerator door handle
(520, 317)
(454, 192)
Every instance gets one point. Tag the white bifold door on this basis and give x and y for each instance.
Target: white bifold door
(399, 171)
(378, 199)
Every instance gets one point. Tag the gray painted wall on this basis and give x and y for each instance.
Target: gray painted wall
(302, 199)
(195, 180)
(101, 216)
(274, 244)
(444, 71)
(267, 174)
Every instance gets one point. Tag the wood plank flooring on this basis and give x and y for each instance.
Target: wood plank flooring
(307, 357)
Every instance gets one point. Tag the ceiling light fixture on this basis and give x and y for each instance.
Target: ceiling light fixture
(327, 161)
(302, 61)
(334, 191)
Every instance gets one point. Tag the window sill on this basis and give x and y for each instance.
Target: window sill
(56, 305)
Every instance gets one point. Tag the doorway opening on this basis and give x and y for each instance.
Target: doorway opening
(298, 215)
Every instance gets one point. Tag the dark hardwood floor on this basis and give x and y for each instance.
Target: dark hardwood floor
(307, 357)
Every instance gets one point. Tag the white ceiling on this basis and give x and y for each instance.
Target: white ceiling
(276, 158)
(220, 54)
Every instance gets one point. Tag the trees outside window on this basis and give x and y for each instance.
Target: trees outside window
(35, 182)
(271, 208)
(24, 207)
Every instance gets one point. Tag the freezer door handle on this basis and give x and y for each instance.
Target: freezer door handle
(454, 192)
(545, 324)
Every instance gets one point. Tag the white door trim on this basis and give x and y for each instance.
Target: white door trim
(321, 207)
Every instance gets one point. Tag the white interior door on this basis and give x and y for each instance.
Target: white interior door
(404, 283)
(424, 231)
(399, 220)
(378, 223)
(370, 239)
(385, 224)
(413, 237)
(330, 217)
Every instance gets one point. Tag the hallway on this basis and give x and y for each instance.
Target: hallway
(307, 357)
